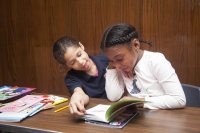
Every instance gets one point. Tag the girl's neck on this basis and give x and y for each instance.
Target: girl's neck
(140, 54)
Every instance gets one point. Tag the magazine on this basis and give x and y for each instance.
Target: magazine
(27, 106)
(9, 93)
(22, 103)
(21, 108)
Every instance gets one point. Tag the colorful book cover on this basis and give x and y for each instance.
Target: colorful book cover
(119, 122)
(8, 93)
(57, 99)
(51, 101)
(35, 108)
(22, 103)
(19, 116)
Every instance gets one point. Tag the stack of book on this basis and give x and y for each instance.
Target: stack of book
(23, 107)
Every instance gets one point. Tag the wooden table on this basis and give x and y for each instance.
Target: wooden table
(150, 121)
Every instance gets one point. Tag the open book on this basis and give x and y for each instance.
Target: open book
(115, 115)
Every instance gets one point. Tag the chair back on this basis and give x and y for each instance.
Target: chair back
(192, 94)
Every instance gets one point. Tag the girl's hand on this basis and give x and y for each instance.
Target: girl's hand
(129, 74)
(111, 66)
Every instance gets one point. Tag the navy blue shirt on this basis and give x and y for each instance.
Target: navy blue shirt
(93, 86)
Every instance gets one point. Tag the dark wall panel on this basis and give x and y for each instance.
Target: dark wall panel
(28, 29)
(173, 26)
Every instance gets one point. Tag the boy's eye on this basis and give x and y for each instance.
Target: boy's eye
(79, 54)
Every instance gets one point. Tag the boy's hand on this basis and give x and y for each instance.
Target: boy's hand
(78, 101)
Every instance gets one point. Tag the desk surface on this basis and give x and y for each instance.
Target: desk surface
(150, 121)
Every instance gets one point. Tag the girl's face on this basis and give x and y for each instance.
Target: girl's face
(123, 57)
(76, 58)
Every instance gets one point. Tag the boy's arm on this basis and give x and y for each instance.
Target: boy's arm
(78, 101)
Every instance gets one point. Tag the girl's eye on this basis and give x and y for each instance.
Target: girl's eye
(111, 61)
(119, 60)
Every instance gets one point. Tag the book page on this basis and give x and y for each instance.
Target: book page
(12, 116)
(120, 106)
(97, 113)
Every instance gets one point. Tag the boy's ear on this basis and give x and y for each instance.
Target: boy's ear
(81, 45)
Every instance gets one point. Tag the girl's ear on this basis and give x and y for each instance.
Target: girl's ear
(81, 45)
(135, 43)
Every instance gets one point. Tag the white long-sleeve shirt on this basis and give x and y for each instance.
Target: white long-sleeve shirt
(156, 79)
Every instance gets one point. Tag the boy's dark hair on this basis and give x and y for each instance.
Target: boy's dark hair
(119, 34)
(60, 47)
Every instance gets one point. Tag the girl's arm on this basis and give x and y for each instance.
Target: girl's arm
(174, 96)
(114, 85)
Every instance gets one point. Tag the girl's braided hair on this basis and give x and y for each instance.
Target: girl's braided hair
(120, 34)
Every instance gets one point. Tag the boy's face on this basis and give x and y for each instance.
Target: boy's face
(76, 58)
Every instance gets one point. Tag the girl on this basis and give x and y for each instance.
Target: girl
(86, 76)
(146, 75)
